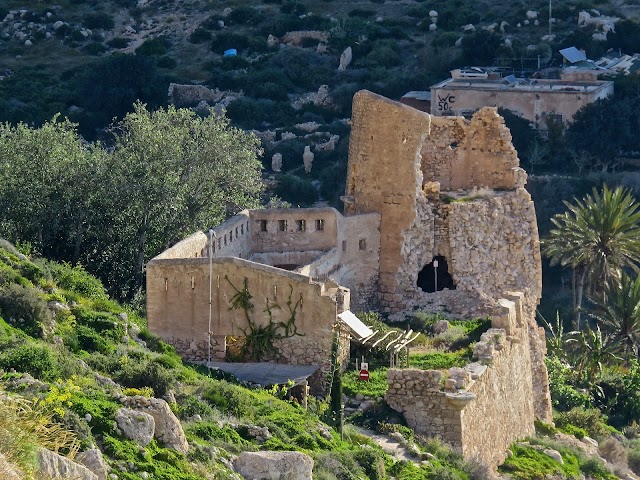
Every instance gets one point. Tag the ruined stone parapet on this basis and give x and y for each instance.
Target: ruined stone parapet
(497, 388)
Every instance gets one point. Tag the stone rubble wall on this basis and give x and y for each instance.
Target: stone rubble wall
(484, 407)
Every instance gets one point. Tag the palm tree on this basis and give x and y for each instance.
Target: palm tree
(590, 351)
(619, 314)
(596, 236)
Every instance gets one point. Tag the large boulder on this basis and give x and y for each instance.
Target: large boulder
(274, 466)
(53, 466)
(92, 459)
(135, 425)
(168, 429)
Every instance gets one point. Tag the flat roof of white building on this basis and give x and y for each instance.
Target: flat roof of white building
(521, 84)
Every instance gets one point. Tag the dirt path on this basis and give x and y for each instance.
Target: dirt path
(389, 445)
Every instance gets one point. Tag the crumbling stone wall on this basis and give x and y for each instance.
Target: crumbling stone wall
(484, 407)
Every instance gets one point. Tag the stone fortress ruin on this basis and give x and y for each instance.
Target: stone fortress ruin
(419, 188)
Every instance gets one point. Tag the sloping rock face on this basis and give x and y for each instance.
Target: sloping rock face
(274, 466)
(8, 470)
(53, 466)
(137, 426)
(92, 459)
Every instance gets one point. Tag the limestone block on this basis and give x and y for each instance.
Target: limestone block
(276, 162)
(345, 59)
(274, 466)
(92, 459)
(54, 467)
(137, 426)
(307, 158)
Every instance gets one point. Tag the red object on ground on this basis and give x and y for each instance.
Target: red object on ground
(364, 375)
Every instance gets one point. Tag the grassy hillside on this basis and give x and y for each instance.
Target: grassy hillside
(73, 355)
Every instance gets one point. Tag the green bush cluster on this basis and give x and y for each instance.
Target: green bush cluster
(24, 308)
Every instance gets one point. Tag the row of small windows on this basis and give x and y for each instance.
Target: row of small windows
(228, 238)
(362, 244)
(283, 225)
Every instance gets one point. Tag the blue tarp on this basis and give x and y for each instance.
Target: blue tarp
(232, 52)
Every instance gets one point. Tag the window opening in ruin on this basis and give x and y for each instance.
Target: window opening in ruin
(362, 244)
(230, 236)
(320, 224)
(282, 224)
(302, 225)
(263, 225)
(454, 145)
(344, 245)
(225, 240)
(236, 232)
(219, 244)
(435, 276)
(242, 229)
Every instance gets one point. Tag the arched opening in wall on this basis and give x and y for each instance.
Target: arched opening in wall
(435, 276)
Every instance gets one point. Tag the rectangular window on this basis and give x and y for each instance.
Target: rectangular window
(263, 225)
(236, 232)
(302, 225)
(362, 244)
(319, 224)
(219, 243)
(230, 236)
(225, 240)
(282, 225)
(344, 245)
(242, 229)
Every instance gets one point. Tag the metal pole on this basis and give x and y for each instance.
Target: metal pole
(549, 17)
(211, 234)
(435, 274)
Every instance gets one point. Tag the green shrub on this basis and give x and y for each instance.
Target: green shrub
(244, 15)
(191, 405)
(24, 308)
(200, 35)
(154, 47)
(37, 360)
(118, 42)
(228, 399)
(296, 190)
(76, 279)
(633, 458)
(588, 419)
(98, 20)
(294, 8)
(564, 396)
(225, 40)
(146, 374)
(95, 48)
(91, 341)
(575, 431)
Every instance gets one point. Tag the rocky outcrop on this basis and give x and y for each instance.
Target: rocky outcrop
(135, 425)
(92, 459)
(9, 470)
(274, 466)
(296, 38)
(168, 429)
(53, 466)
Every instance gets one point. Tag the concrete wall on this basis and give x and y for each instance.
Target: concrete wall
(531, 105)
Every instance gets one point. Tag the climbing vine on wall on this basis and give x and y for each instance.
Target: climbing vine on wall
(259, 339)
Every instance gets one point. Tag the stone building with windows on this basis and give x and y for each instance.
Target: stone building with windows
(535, 100)
(436, 217)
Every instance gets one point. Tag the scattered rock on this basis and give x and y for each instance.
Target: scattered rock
(10, 471)
(532, 14)
(469, 28)
(440, 326)
(58, 24)
(297, 37)
(307, 159)
(345, 59)
(53, 466)
(554, 454)
(272, 41)
(276, 162)
(433, 27)
(137, 426)
(274, 465)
